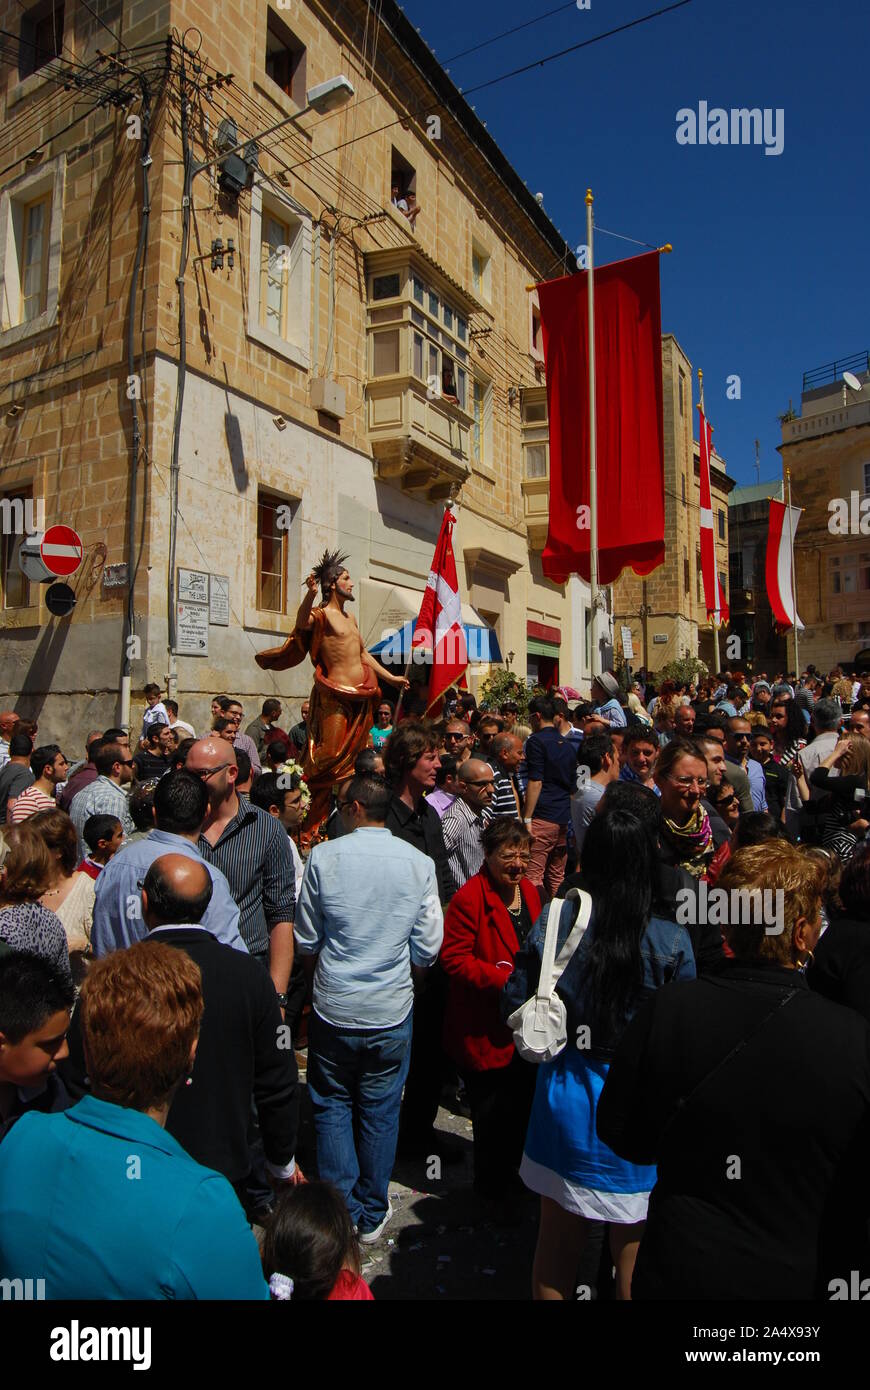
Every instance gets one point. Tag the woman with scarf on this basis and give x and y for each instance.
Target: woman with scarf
(686, 834)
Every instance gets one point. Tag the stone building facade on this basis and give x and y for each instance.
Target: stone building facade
(665, 609)
(274, 361)
(827, 450)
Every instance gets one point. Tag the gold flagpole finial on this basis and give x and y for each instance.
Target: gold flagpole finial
(589, 198)
(667, 248)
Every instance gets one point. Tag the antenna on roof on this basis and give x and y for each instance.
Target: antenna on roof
(757, 464)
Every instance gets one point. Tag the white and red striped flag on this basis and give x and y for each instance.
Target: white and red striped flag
(714, 598)
(439, 626)
(779, 564)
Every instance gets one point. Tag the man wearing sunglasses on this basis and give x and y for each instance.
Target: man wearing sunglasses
(738, 736)
(105, 795)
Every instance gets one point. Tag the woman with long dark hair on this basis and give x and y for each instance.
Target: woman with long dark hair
(788, 727)
(624, 955)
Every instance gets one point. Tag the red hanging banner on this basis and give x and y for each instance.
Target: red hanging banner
(628, 393)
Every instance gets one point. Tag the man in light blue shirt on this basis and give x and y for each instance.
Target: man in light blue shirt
(737, 745)
(368, 915)
(180, 804)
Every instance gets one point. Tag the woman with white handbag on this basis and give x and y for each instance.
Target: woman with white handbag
(582, 973)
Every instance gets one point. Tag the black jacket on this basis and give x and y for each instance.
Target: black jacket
(240, 1054)
(761, 1190)
(422, 829)
(841, 969)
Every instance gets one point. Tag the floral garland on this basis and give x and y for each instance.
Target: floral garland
(290, 769)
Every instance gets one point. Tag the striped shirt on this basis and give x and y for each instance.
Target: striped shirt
(101, 797)
(253, 853)
(31, 801)
(463, 831)
(504, 796)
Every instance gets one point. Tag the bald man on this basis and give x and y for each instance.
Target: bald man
(240, 1055)
(464, 822)
(251, 848)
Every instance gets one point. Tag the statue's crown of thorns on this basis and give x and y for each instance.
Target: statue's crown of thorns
(329, 568)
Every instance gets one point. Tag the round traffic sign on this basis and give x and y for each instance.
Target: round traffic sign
(61, 549)
(60, 600)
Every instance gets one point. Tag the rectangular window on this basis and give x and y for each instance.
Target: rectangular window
(403, 180)
(534, 412)
(433, 304)
(41, 37)
(386, 286)
(867, 479)
(271, 554)
(687, 583)
(461, 380)
(385, 353)
(480, 271)
(274, 275)
(16, 588)
(448, 317)
(721, 524)
(680, 385)
(684, 489)
(417, 360)
(536, 460)
(434, 373)
(285, 59)
(699, 573)
(419, 290)
(33, 265)
(479, 430)
(462, 334)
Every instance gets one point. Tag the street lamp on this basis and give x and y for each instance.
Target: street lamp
(510, 659)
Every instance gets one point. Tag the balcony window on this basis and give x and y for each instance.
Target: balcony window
(721, 525)
(419, 290)
(385, 353)
(462, 335)
(417, 359)
(536, 461)
(386, 286)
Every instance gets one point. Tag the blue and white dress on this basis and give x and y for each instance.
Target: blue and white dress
(564, 1159)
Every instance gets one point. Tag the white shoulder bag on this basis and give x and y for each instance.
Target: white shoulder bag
(540, 1025)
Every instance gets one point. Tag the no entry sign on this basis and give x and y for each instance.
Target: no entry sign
(61, 550)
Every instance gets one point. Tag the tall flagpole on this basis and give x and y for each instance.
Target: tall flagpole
(797, 669)
(716, 667)
(593, 456)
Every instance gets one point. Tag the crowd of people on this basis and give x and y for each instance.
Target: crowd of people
(677, 877)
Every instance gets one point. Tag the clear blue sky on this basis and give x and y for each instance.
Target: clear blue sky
(770, 271)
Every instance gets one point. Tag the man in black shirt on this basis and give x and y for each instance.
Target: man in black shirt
(244, 1050)
(153, 761)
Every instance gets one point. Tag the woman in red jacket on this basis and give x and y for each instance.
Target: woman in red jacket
(485, 925)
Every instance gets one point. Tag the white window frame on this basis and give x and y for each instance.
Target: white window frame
(296, 348)
(536, 354)
(486, 463)
(484, 288)
(46, 181)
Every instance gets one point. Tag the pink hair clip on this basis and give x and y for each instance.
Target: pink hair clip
(281, 1287)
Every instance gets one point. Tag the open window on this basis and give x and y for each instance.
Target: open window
(41, 36)
(481, 274)
(536, 336)
(285, 59)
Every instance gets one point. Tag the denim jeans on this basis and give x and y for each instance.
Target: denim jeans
(355, 1080)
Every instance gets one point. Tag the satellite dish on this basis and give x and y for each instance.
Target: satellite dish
(852, 381)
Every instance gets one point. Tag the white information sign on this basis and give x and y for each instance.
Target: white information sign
(627, 644)
(192, 586)
(219, 600)
(192, 629)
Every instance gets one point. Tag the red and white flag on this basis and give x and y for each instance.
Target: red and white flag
(439, 626)
(779, 564)
(714, 598)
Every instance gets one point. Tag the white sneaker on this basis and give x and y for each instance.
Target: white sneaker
(369, 1237)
